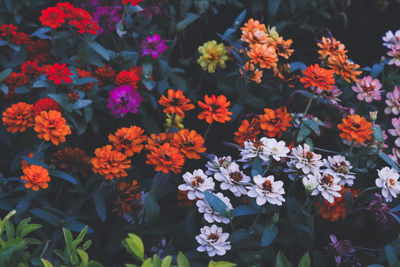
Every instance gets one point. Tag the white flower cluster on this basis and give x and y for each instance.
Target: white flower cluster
(392, 42)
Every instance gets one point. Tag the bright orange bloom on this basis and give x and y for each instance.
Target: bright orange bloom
(336, 210)
(36, 177)
(341, 66)
(282, 47)
(176, 103)
(157, 140)
(355, 127)
(215, 108)
(254, 32)
(50, 125)
(18, 117)
(263, 55)
(72, 159)
(275, 122)
(166, 158)
(330, 47)
(128, 140)
(190, 143)
(318, 77)
(25, 164)
(252, 72)
(248, 131)
(110, 163)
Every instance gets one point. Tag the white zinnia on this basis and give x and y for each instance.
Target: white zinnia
(274, 148)
(253, 149)
(196, 184)
(265, 189)
(210, 215)
(328, 185)
(214, 165)
(391, 39)
(341, 167)
(233, 179)
(213, 240)
(304, 159)
(388, 180)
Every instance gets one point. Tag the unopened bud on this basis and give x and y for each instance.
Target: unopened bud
(373, 115)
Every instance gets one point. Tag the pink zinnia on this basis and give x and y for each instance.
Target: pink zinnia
(396, 131)
(393, 101)
(332, 95)
(394, 53)
(123, 100)
(368, 89)
(153, 46)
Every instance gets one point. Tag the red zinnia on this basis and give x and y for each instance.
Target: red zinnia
(52, 17)
(133, 2)
(39, 50)
(15, 80)
(31, 67)
(88, 26)
(65, 7)
(8, 29)
(318, 77)
(45, 104)
(78, 15)
(20, 38)
(59, 72)
(127, 77)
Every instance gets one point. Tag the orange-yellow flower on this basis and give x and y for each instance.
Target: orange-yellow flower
(128, 140)
(176, 103)
(318, 77)
(166, 158)
(355, 127)
(36, 177)
(157, 140)
(341, 66)
(215, 108)
(254, 32)
(25, 164)
(275, 122)
(110, 163)
(18, 117)
(247, 131)
(252, 72)
(282, 47)
(189, 143)
(50, 125)
(264, 55)
(331, 47)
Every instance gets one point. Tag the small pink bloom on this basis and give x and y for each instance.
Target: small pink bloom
(368, 89)
(394, 53)
(393, 101)
(396, 131)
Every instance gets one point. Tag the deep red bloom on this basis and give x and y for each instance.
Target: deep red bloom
(20, 38)
(133, 2)
(38, 50)
(15, 80)
(31, 67)
(127, 77)
(59, 72)
(65, 7)
(52, 17)
(8, 29)
(45, 104)
(78, 15)
(88, 26)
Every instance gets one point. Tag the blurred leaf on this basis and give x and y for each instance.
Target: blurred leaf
(217, 204)
(282, 260)
(388, 160)
(134, 246)
(46, 216)
(40, 33)
(4, 88)
(312, 125)
(86, 80)
(100, 206)
(273, 6)
(36, 162)
(46, 263)
(190, 18)
(391, 256)
(99, 49)
(4, 74)
(81, 103)
(377, 133)
(297, 66)
(376, 69)
(239, 20)
(149, 84)
(303, 133)
(147, 70)
(63, 175)
(182, 260)
(269, 234)
(166, 261)
(305, 260)
(239, 235)
(151, 208)
(221, 264)
(243, 210)
(256, 167)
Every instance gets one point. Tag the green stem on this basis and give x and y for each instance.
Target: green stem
(305, 113)
(268, 166)
(206, 133)
(351, 147)
(257, 217)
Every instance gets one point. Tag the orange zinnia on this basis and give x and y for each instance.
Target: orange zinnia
(215, 108)
(166, 158)
(318, 77)
(336, 210)
(284, 73)
(330, 47)
(72, 159)
(189, 143)
(128, 140)
(176, 103)
(158, 140)
(110, 163)
(50, 125)
(18, 117)
(254, 32)
(263, 55)
(341, 66)
(247, 131)
(275, 122)
(36, 177)
(25, 164)
(282, 47)
(355, 127)
(252, 72)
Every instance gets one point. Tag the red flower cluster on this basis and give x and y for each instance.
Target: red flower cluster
(54, 17)
(45, 104)
(133, 2)
(58, 73)
(9, 31)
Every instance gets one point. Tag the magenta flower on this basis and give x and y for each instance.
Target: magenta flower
(123, 100)
(368, 89)
(107, 17)
(153, 46)
(392, 101)
(396, 131)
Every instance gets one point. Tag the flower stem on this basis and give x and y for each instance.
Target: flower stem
(268, 166)
(206, 133)
(305, 113)
(351, 147)
(257, 217)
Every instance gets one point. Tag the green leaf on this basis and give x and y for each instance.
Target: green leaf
(81, 103)
(269, 234)
(147, 263)
(80, 237)
(99, 49)
(305, 260)
(282, 260)
(377, 134)
(100, 205)
(166, 261)
(391, 256)
(10, 230)
(63, 175)
(182, 260)
(256, 167)
(147, 70)
(312, 125)
(46, 216)
(68, 240)
(221, 264)
(190, 17)
(36, 162)
(46, 263)
(303, 133)
(84, 256)
(134, 246)
(21, 225)
(244, 210)
(40, 33)
(217, 204)
(28, 229)
(388, 160)
(273, 6)
(4, 74)
(151, 208)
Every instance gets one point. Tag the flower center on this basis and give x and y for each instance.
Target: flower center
(236, 177)
(392, 182)
(197, 181)
(309, 155)
(213, 237)
(327, 179)
(267, 186)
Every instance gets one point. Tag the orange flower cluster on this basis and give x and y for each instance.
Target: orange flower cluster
(18, 117)
(128, 140)
(36, 177)
(166, 158)
(265, 45)
(336, 210)
(50, 125)
(72, 159)
(335, 54)
(215, 108)
(318, 77)
(248, 131)
(275, 122)
(355, 127)
(110, 163)
(176, 103)
(127, 193)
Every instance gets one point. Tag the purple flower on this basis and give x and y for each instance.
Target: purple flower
(124, 99)
(107, 17)
(381, 211)
(153, 46)
(343, 251)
